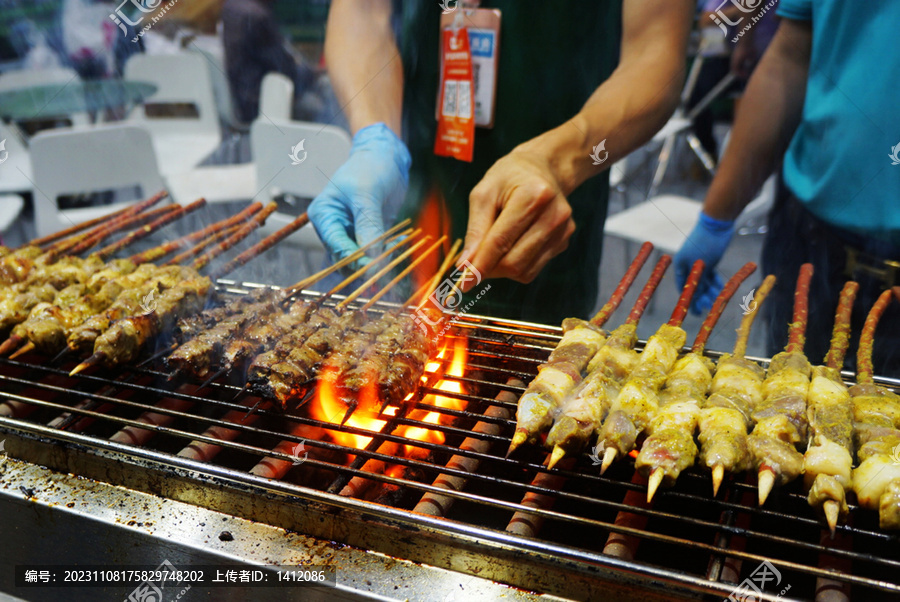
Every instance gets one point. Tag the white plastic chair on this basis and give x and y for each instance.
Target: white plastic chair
(284, 168)
(83, 160)
(10, 208)
(181, 143)
(665, 221)
(27, 78)
(15, 171)
(276, 97)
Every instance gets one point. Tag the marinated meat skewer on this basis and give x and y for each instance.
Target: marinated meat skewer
(392, 353)
(48, 323)
(876, 421)
(669, 447)
(581, 340)
(583, 411)
(144, 231)
(124, 339)
(781, 416)
(736, 389)
(248, 331)
(638, 402)
(72, 230)
(286, 370)
(828, 461)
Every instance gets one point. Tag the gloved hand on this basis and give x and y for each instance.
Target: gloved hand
(707, 241)
(365, 191)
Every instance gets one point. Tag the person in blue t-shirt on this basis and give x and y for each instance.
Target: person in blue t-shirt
(822, 100)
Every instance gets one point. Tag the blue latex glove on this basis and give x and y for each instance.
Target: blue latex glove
(707, 241)
(364, 193)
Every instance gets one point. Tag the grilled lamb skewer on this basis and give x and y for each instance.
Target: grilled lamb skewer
(781, 416)
(72, 270)
(239, 332)
(828, 460)
(562, 373)
(126, 338)
(287, 369)
(583, 411)
(876, 421)
(727, 414)
(49, 324)
(637, 401)
(669, 447)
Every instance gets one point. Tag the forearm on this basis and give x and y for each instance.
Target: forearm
(633, 103)
(364, 63)
(769, 114)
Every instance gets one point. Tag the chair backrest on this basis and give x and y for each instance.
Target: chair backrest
(276, 97)
(214, 53)
(182, 78)
(15, 169)
(296, 157)
(82, 160)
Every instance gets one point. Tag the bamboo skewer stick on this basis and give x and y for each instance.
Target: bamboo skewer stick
(81, 243)
(201, 246)
(625, 283)
(67, 232)
(377, 275)
(349, 259)
(195, 237)
(150, 228)
(92, 238)
(255, 222)
(412, 265)
(451, 258)
(266, 244)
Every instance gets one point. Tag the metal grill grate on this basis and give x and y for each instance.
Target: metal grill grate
(479, 508)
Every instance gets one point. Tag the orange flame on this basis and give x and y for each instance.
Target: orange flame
(457, 369)
(327, 406)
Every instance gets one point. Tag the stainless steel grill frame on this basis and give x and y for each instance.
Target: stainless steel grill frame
(688, 538)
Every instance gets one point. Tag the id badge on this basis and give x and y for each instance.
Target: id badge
(482, 32)
(456, 119)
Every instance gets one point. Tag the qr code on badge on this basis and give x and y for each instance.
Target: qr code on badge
(465, 100)
(450, 95)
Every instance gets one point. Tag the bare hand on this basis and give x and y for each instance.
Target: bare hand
(519, 218)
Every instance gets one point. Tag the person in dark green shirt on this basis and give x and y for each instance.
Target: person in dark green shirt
(532, 203)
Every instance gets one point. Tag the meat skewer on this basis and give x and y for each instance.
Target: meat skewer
(123, 341)
(669, 447)
(876, 420)
(828, 460)
(48, 324)
(736, 389)
(370, 355)
(781, 416)
(243, 232)
(581, 340)
(246, 332)
(285, 370)
(29, 266)
(638, 402)
(583, 412)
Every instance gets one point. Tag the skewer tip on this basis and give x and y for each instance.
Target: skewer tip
(518, 439)
(718, 473)
(608, 457)
(653, 483)
(347, 415)
(27, 347)
(10, 344)
(832, 510)
(91, 361)
(557, 455)
(766, 483)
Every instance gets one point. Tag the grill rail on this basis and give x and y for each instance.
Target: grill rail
(459, 504)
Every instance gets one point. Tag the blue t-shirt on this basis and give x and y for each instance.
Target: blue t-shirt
(839, 161)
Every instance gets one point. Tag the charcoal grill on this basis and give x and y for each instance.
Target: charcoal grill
(456, 518)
